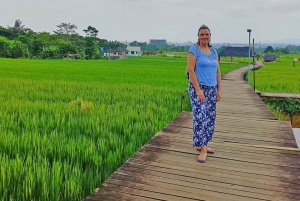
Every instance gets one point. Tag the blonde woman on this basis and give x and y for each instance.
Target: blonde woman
(204, 90)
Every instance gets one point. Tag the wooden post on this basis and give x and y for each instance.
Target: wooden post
(181, 104)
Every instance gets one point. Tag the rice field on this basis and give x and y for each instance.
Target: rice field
(66, 125)
(278, 76)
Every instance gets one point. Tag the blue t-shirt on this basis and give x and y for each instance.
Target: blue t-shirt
(206, 66)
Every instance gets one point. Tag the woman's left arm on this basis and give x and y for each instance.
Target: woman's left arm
(219, 81)
(219, 78)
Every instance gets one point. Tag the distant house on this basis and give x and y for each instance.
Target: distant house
(269, 57)
(115, 53)
(169, 55)
(70, 56)
(147, 53)
(134, 51)
(237, 52)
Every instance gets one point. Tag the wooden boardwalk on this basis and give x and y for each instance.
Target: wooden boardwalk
(256, 157)
(271, 95)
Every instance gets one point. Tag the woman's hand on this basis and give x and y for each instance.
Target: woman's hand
(218, 96)
(200, 95)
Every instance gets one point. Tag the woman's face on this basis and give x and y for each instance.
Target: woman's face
(204, 36)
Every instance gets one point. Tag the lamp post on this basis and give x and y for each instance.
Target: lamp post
(253, 55)
(248, 73)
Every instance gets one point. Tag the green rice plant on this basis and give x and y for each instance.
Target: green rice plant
(278, 76)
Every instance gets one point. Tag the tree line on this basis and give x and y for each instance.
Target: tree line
(19, 41)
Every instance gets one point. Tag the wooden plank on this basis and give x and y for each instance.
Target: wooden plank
(221, 131)
(230, 163)
(139, 168)
(242, 127)
(206, 191)
(244, 115)
(237, 150)
(234, 179)
(179, 191)
(239, 121)
(271, 147)
(216, 183)
(185, 132)
(259, 142)
(244, 134)
(233, 118)
(186, 140)
(279, 95)
(105, 194)
(123, 190)
(186, 146)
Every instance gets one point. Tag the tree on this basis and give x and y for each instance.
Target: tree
(66, 29)
(221, 49)
(5, 32)
(91, 31)
(134, 43)
(5, 47)
(92, 48)
(290, 106)
(39, 41)
(285, 50)
(269, 49)
(293, 48)
(18, 28)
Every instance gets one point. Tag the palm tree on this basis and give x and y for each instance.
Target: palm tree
(18, 27)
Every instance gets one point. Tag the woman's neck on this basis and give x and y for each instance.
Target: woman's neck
(203, 45)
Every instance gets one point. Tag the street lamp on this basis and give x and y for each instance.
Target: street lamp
(248, 73)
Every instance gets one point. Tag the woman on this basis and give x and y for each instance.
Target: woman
(204, 90)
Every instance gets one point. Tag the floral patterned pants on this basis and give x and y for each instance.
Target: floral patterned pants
(204, 114)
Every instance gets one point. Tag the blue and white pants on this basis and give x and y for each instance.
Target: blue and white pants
(204, 114)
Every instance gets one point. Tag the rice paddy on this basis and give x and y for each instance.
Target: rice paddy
(279, 76)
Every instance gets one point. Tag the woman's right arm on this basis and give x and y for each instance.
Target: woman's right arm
(191, 63)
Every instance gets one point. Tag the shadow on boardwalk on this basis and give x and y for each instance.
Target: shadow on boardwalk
(256, 157)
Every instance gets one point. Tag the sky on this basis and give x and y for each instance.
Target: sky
(173, 20)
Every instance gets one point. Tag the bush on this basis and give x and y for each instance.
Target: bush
(5, 47)
(290, 106)
(66, 48)
(19, 50)
(50, 52)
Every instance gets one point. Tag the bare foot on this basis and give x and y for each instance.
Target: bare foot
(202, 157)
(208, 149)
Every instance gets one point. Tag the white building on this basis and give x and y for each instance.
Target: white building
(134, 51)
